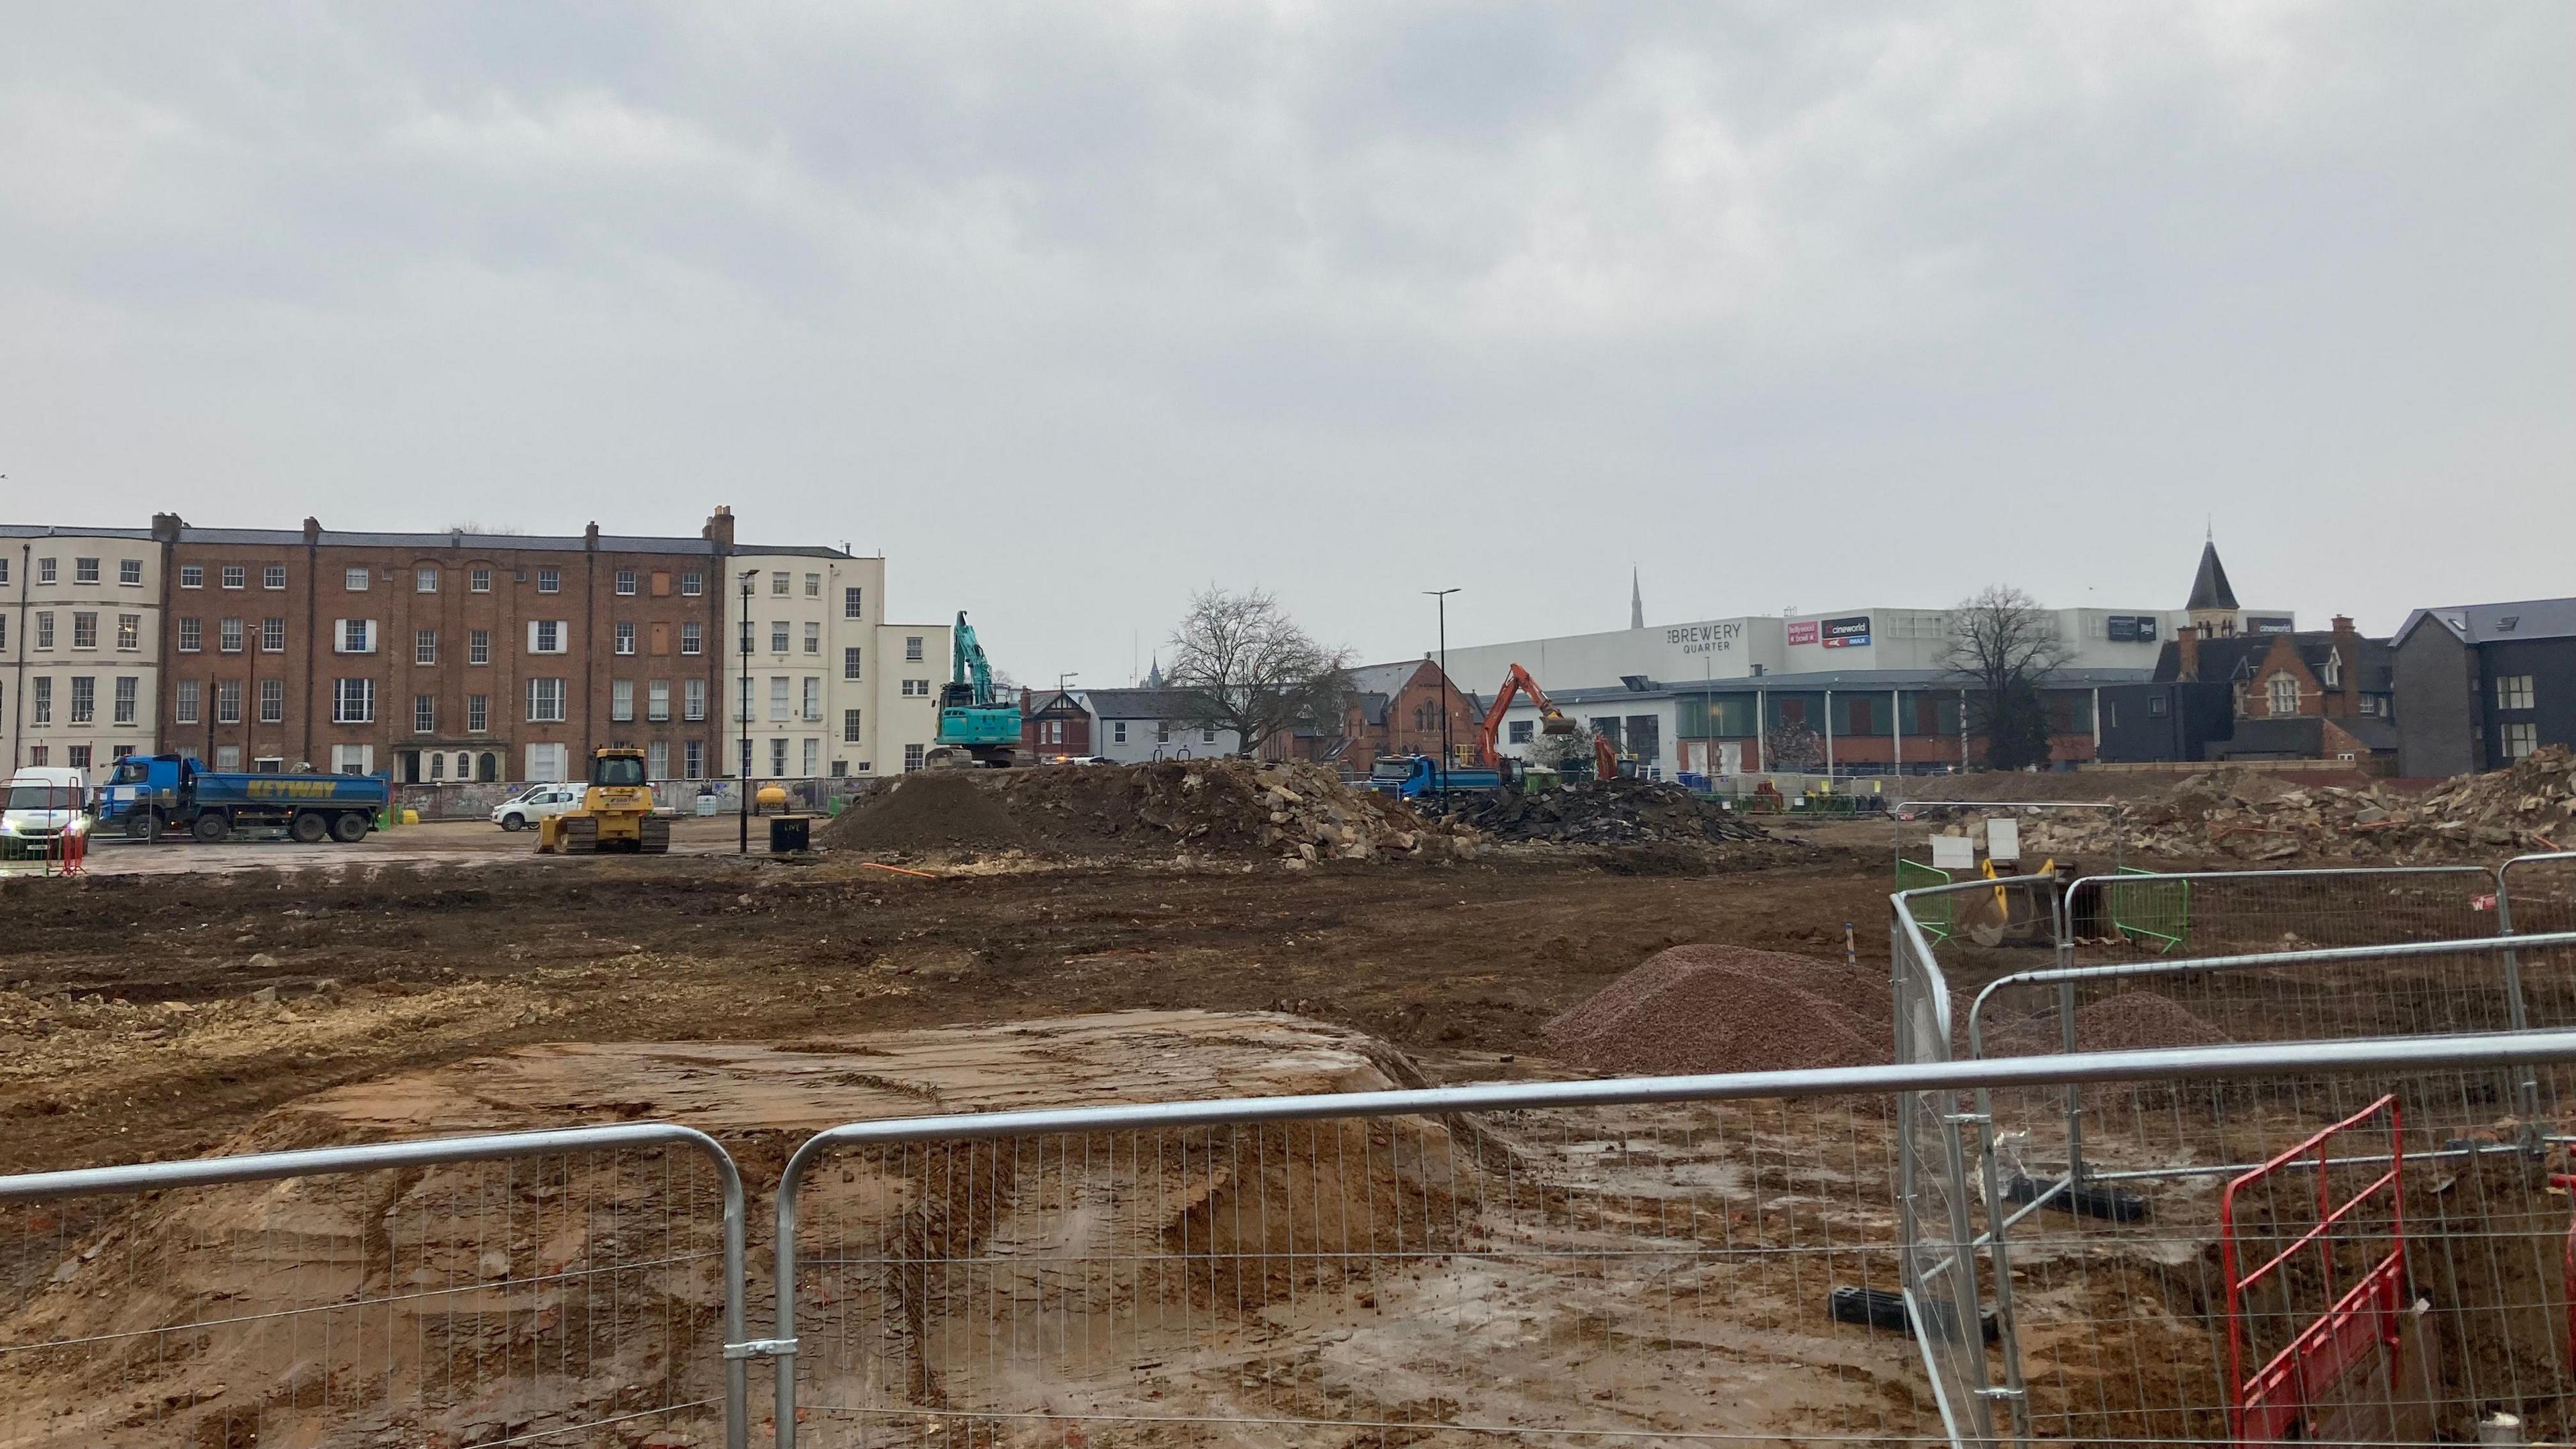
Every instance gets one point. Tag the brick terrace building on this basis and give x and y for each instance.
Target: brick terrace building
(442, 655)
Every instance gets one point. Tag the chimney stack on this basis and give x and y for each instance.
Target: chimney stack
(590, 536)
(2187, 645)
(2347, 644)
(166, 526)
(312, 530)
(719, 529)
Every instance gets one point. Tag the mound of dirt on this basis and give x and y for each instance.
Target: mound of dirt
(932, 810)
(2131, 1021)
(1607, 812)
(1729, 1009)
(553, 1297)
(1297, 812)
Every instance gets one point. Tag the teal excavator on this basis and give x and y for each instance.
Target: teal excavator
(976, 727)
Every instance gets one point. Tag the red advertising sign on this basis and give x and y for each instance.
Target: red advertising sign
(1802, 632)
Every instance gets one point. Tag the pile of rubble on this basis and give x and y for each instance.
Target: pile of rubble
(2248, 815)
(1298, 813)
(1606, 812)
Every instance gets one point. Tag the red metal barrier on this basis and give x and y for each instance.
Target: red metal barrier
(2273, 1404)
(2567, 1181)
(66, 852)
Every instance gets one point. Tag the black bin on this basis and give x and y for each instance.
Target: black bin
(790, 833)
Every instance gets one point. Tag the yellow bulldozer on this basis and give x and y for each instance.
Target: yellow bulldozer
(616, 813)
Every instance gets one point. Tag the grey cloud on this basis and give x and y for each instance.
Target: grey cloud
(1867, 303)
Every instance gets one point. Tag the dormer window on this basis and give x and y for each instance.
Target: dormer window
(2333, 672)
(2282, 694)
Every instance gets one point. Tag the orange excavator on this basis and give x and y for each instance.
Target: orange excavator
(1551, 721)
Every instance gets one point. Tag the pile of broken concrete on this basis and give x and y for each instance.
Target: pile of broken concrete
(1607, 812)
(2248, 815)
(1298, 812)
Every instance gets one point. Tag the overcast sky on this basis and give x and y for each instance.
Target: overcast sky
(1069, 309)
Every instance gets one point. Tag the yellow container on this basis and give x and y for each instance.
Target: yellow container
(771, 797)
(411, 817)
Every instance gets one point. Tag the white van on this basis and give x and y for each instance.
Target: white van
(42, 803)
(538, 802)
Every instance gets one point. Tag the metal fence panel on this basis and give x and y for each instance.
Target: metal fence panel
(1645, 1269)
(1652, 1258)
(2538, 892)
(566, 1287)
(1935, 1218)
(2121, 1291)
(2234, 912)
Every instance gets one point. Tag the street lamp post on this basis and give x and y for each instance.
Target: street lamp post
(742, 807)
(1447, 758)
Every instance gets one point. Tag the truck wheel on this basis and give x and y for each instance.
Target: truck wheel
(211, 827)
(309, 828)
(143, 825)
(349, 828)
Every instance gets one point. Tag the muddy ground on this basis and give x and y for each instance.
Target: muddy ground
(153, 1016)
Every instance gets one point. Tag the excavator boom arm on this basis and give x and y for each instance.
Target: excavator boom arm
(1517, 682)
(967, 663)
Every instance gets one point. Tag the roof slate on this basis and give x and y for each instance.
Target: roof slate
(2209, 587)
(1156, 704)
(2485, 623)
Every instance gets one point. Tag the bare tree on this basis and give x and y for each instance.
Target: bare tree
(1241, 664)
(1793, 748)
(2002, 644)
(1569, 754)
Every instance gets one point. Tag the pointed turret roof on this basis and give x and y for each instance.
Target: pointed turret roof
(2209, 588)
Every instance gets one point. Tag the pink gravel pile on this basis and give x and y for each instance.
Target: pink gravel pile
(2131, 1021)
(1728, 1009)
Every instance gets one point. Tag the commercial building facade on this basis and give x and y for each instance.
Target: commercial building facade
(1880, 722)
(1868, 689)
(1855, 643)
(80, 645)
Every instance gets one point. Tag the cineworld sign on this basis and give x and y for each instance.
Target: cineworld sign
(1851, 633)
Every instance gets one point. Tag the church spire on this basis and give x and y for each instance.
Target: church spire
(2212, 605)
(1636, 600)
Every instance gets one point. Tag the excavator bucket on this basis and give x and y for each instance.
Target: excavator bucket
(1554, 723)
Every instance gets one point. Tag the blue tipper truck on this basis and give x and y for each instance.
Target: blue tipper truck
(150, 794)
(1413, 776)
